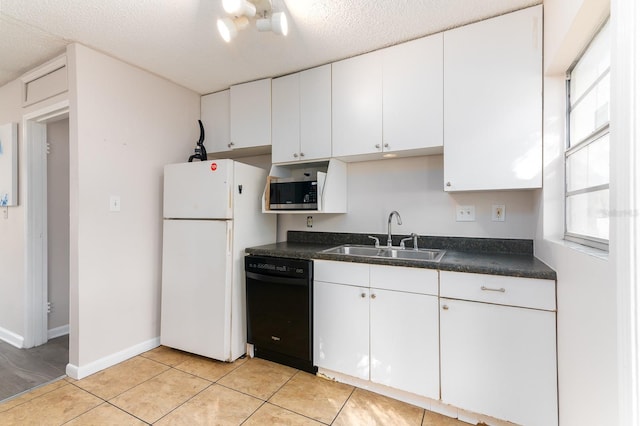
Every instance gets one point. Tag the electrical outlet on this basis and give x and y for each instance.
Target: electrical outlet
(465, 213)
(498, 212)
(309, 221)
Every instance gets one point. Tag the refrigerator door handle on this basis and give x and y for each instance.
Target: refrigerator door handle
(229, 241)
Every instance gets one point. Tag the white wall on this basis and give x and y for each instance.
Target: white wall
(58, 222)
(125, 125)
(414, 187)
(587, 355)
(12, 228)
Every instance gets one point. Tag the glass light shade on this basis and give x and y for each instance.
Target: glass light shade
(277, 23)
(227, 29)
(239, 7)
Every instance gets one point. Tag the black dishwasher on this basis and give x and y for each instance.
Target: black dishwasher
(280, 310)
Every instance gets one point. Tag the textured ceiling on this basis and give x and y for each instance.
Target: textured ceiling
(177, 39)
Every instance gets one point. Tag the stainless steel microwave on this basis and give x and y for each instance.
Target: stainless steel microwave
(293, 194)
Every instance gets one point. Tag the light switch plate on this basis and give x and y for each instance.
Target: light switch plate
(114, 203)
(465, 213)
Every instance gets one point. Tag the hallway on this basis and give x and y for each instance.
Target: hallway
(24, 369)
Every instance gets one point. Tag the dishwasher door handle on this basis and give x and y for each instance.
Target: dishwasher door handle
(277, 280)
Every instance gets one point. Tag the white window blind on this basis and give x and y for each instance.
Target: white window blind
(587, 154)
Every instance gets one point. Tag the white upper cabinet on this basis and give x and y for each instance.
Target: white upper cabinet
(315, 113)
(285, 116)
(389, 100)
(412, 95)
(493, 103)
(357, 105)
(250, 114)
(214, 114)
(301, 116)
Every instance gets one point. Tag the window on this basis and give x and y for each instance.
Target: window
(587, 153)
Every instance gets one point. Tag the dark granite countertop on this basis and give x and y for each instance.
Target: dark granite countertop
(474, 255)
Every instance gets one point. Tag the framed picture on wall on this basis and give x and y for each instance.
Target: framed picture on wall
(9, 165)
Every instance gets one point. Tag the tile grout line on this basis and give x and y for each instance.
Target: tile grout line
(151, 378)
(268, 401)
(115, 396)
(211, 383)
(264, 401)
(131, 414)
(344, 405)
(188, 399)
(11, 398)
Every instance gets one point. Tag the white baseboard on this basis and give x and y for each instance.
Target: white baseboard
(58, 331)
(11, 338)
(80, 372)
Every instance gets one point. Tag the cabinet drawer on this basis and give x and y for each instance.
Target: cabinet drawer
(341, 272)
(413, 280)
(502, 290)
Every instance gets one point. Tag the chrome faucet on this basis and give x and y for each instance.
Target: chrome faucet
(389, 243)
(413, 237)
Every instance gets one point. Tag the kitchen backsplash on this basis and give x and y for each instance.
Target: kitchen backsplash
(413, 187)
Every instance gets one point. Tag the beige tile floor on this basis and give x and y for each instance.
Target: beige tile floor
(169, 387)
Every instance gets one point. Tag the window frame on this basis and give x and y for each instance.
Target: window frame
(594, 136)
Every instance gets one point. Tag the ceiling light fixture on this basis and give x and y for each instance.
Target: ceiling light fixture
(241, 10)
(277, 23)
(228, 28)
(239, 7)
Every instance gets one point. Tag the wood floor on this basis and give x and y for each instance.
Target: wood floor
(24, 369)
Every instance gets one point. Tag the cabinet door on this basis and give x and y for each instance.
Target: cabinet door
(250, 109)
(412, 94)
(493, 103)
(356, 99)
(315, 113)
(404, 341)
(341, 328)
(214, 113)
(286, 118)
(500, 361)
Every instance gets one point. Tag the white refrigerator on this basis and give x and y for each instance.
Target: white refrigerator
(212, 212)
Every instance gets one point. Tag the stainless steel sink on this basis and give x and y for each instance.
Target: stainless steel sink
(420, 254)
(354, 250)
(426, 255)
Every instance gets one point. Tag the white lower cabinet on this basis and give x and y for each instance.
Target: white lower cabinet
(341, 328)
(481, 343)
(404, 341)
(381, 329)
(495, 359)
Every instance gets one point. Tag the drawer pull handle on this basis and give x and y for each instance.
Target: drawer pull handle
(373, 296)
(445, 307)
(501, 290)
(363, 295)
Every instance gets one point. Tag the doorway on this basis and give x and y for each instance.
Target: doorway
(45, 136)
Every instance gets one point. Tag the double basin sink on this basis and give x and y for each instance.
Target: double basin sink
(426, 255)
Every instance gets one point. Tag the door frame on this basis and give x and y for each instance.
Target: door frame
(34, 135)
